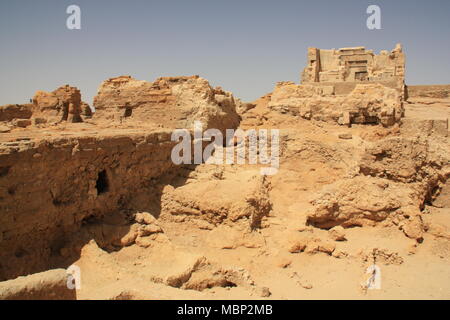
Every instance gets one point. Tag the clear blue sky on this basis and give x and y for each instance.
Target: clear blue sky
(245, 46)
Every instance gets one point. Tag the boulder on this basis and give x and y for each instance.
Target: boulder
(337, 233)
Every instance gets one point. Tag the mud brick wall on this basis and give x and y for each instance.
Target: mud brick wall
(48, 188)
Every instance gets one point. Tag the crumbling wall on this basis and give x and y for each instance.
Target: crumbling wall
(349, 85)
(169, 101)
(62, 104)
(11, 112)
(355, 65)
(429, 91)
(49, 187)
(367, 103)
(14, 116)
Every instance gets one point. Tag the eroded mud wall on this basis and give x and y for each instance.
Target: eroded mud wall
(48, 189)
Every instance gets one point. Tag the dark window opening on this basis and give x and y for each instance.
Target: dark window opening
(102, 184)
(128, 112)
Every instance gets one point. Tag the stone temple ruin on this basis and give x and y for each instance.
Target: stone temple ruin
(345, 67)
(349, 85)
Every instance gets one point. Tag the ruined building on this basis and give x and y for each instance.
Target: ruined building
(63, 104)
(347, 86)
(344, 68)
(100, 191)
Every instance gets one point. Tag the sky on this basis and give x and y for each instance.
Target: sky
(244, 46)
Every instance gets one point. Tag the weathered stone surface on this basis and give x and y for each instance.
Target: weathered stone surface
(337, 233)
(355, 65)
(144, 218)
(86, 110)
(440, 127)
(425, 127)
(400, 159)
(414, 228)
(107, 195)
(62, 104)
(310, 245)
(32, 216)
(345, 136)
(359, 201)
(10, 112)
(367, 103)
(399, 175)
(174, 102)
(349, 85)
(22, 123)
(4, 129)
(429, 91)
(211, 200)
(48, 285)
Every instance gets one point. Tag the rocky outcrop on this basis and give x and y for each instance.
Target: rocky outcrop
(173, 102)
